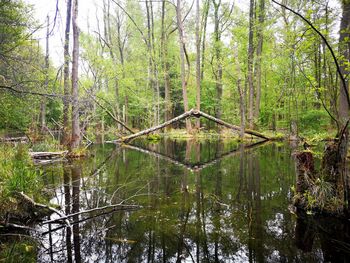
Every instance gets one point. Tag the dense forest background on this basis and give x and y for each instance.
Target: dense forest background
(257, 65)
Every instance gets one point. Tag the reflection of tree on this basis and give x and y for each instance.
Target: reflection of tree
(182, 247)
(76, 175)
(67, 195)
(334, 235)
(199, 214)
(256, 236)
(198, 165)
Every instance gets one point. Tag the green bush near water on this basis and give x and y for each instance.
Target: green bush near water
(17, 174)
(16, 170)
(18, 252)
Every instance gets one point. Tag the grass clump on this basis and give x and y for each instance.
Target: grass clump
(19, 251)
(17, 174)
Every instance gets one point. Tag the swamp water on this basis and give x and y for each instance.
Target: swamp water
(201, 202)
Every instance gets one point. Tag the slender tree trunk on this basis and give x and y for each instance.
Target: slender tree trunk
(152, 70)
(182, 62)
(66, 98)
(43, 101)
(260, 36)
(344, 50)
(75, 141)
(241, 94)
(218, 77)
(205, 20)
(250, 65)
(198, 65)
(108, 36)
(164, 57)
(155, 67)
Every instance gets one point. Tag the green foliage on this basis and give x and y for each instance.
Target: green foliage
(47, 145)
(17, 172)
(322, 192)
(22, 251)
(314, 120)
(153, 137)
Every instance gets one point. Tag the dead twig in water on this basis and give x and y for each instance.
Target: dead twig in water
(92, 210)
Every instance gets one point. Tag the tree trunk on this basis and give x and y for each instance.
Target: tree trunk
(241, 94)
(260, 36)
(75, 140)
(66, 98)
(111, 46)
(344, 50)
(250, 64)
(198, 65)
(217, 45)
(43, 101)
(164, 56)
(205, 20)
(182, 62)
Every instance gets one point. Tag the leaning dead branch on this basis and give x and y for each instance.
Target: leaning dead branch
(108, 112)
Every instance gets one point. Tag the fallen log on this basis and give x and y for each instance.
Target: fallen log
(190, 113)
(198, 114)
(47, 155)
(155, 128)
(14, 139)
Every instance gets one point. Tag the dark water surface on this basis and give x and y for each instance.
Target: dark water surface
(202, 202)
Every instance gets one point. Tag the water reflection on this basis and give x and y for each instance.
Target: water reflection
(233, 209)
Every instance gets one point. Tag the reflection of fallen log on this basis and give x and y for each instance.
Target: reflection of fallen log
(225, 155)
(47, 155)
(43, 162)
(156, 154)
(187, 114)
(196, 166)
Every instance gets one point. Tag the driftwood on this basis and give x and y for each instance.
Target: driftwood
(31, 213)
(47, 155)
(190, 113)
(40, 207)
(14, 139)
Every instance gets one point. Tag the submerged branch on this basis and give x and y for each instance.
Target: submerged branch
(92, 210)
